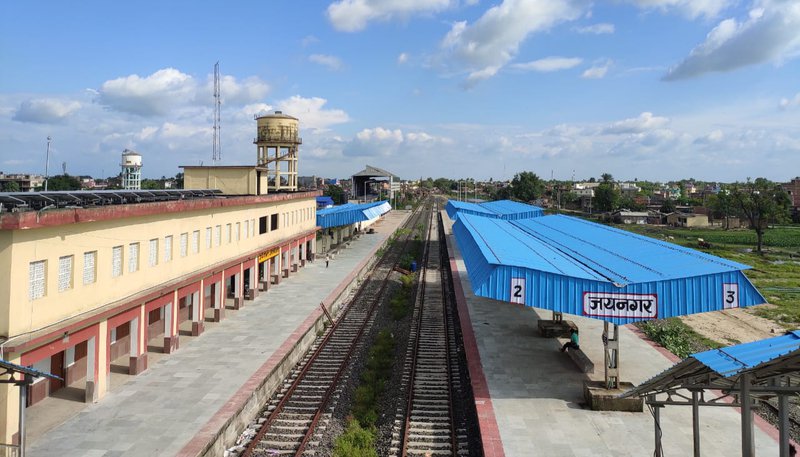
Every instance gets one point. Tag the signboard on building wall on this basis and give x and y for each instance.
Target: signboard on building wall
(518, 290)
(629, 306)
(730, 295)
(264, 256)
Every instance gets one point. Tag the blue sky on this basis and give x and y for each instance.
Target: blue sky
(647, 89)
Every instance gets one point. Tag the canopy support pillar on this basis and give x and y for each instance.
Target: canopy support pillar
(748, 445)
(696, 422)
(656, 408)
(783, 424)
(611, 342)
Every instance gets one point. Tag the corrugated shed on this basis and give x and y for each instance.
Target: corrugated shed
(351, 213)
(502, 209)
(578, 267)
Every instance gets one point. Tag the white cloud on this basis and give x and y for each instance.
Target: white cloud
(713, 137)
(311, 112)
(646, 121)
(597, 71)
(549, 64)
(234, 92)
(790, 102)
(597, 29)
(332, 62)
(690, 8)
(45, 110)
(770, 33)
(489, 43)
(309, 40)
(402, 58)
(152, 95)
(353, 15)
(383, 142)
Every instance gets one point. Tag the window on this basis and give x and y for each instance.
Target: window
(236, 232)
(262, 225)
(273, 223)
(153, 252)
(133, 257)
(36, 279)
(219, 234)
(195, 241)
(247, 228)
(184, 244)
(89, 267)
(64, 273)
(208, 237)
(227, 233)
(252, 227)
(116, 261)
(167, 248)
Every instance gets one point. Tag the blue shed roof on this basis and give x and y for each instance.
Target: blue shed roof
(732, 360)
(351, 213)
(324, 201)
(500, 209)
(579, 267)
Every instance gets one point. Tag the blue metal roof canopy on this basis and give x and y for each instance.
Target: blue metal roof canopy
(501, 209)
(765, 368)
(573, 266)
(351, 213)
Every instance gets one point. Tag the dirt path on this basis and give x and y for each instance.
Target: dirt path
(732, 326)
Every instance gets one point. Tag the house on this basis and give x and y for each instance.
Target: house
(677, 219)
(629, 217)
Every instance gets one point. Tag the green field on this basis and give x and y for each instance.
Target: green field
(776, 274)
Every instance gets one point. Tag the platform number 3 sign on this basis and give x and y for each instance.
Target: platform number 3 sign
(518, 290)
(730, 295)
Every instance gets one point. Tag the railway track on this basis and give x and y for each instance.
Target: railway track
(431, 422)
(304, 404)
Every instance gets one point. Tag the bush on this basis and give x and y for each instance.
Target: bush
(677, 337)
(355, 442)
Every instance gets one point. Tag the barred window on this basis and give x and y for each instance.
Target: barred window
(116, 261)
(36, 279)
(237, 231)
(89, 267)
(195, 241)
(247, 229)
(64, 273)
(252, 227)
(167, 248)
(154, 252)
(227, 233)
(184, 244)
(219, 235)
(133, 257)
(208, 237)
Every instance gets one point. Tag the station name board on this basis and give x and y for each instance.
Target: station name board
(268, 254)
(631, 306)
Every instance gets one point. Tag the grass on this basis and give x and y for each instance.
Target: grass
(677, 337)
(358, 440)
(400, 303)
(776, 273)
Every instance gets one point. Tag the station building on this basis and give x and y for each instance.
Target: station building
(93, 279)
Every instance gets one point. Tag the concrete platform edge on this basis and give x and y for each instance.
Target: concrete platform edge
(487, 423)
(243, 407)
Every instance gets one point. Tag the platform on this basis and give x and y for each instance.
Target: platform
(179, 401)
(529, 395)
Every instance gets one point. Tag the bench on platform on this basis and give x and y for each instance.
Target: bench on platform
(584, 363)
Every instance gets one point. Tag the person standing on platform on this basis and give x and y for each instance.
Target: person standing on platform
(573, 341)
(327, 260)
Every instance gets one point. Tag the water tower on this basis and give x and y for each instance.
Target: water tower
(131, 170)
(277, 143)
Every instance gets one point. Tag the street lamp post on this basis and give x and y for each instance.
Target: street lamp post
(47, 163)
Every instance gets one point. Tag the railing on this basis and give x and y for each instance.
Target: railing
(295, 139)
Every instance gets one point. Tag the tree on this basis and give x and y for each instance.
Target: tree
(760, 201)
(10, 186)
(607, 178)
(668, 206)
(63, 182)
(526, 186)
(606, 195)
(336, 193)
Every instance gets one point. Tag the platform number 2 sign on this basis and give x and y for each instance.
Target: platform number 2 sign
(730, 295)
(518, 290)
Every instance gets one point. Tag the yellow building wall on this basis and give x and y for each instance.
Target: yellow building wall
(51, 243)
(231, 181)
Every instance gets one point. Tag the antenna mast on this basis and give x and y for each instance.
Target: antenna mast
(216, 154)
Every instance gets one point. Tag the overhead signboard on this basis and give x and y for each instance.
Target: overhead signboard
(608, 304)
(264, 256)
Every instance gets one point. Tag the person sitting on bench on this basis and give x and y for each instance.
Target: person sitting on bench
(573, 341)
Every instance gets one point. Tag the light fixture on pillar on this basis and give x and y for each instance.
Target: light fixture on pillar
(65, 338)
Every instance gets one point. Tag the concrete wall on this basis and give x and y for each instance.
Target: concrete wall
(231, 181)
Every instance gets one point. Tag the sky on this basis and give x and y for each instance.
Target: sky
(642, 89)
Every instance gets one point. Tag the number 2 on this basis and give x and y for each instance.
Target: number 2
(517, 291)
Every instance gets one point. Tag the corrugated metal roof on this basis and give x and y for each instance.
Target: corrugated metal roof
(500, 209)
(732, 360)
(720, 367)
(579, 267)
(351, 213)
(11, 368)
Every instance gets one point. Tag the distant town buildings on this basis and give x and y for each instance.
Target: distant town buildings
(22, 182)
